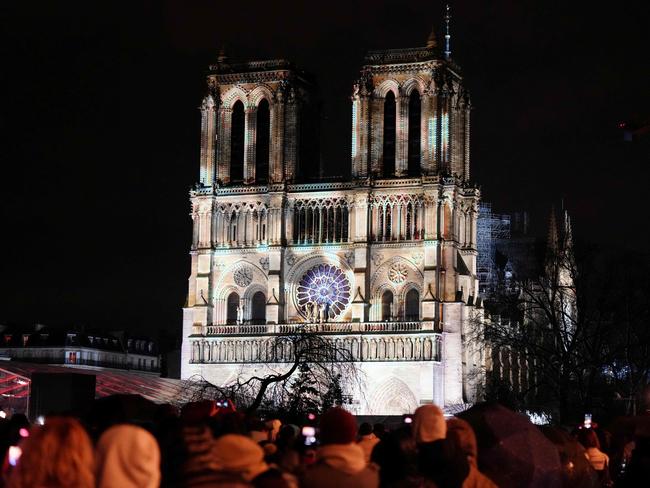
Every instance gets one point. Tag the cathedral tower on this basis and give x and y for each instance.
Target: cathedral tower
(410, 116)
(253, 120)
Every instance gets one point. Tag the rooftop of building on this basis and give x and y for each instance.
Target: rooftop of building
(39, 335)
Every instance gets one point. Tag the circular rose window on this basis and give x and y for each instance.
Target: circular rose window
(323, 285)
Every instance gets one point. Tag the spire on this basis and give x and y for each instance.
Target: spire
(431, 41)
(447, 32)
(552, 243)
(568, 234)
(221, 58)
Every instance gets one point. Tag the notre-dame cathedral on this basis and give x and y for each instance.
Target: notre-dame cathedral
(383, 262)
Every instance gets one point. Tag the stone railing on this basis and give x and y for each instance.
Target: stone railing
(328, 327)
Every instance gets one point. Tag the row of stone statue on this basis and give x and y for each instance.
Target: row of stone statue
(316, 312)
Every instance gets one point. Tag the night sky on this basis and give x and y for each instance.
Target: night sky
(101, 129)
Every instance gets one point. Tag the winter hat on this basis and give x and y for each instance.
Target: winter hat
(236, 453)
(429, 424)
(338, 426)
(198, 412)
(127, 456)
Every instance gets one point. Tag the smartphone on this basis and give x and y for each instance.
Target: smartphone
(309, 433)
(13, 454)
(587, 421)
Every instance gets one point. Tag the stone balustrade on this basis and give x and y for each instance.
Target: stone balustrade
(327, 327)
(255, 348)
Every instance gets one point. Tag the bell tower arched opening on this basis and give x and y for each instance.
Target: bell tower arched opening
(412, 305)
(237, 143)
(258, 308)
(414, 134)
(390, 118)
(262, 143)
(231, 308)
(387, 305)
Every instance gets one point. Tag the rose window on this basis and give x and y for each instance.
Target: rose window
(397, 273)
(324, 284)
(243, 276)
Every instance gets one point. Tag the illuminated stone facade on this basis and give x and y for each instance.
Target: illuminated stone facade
(384, 263)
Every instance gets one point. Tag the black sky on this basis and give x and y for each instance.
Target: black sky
(101, 128)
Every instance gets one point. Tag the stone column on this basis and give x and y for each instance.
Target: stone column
(455, 126)
(214, 239)
(360, 131)
(208, 139)
(361, 219)
(376, 135)
(241, 223)
(277, 139)
(445, 123)
(250, 131)
(452, 357)
(466, 133)
(372, 225)
(364, 133)
(427, 126)
(430, 217)
(291, 134)
(356, 123)
(473, 217)
(401, 153)
(223, 144)
(201, 220)
(195, 230)
(288, 221)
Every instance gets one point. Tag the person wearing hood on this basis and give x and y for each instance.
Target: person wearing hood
(58, 454)
(340, 461)
(367, 440)
(127, 456)
(462, 434)
(439, 459)
(241, 457)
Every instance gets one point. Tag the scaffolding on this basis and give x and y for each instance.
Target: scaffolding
(490, 228)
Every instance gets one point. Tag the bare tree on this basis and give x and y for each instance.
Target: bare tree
(567, 341)
(311, 354)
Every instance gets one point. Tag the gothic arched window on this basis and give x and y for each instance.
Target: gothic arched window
(390, 113)
(412, 309)
(414, 134)
(387, 305)
(262, 142)
(237, 143)
(233, 226)
(231, 308)
(258, 308)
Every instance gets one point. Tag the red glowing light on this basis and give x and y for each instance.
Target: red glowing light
(311, 416)
(23, 432)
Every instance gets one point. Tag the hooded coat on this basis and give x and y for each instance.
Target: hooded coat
(127, 456)
(462, 433)
(342, 466)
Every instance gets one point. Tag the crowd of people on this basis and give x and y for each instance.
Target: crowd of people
(208, 444)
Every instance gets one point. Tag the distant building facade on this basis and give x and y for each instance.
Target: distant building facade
(384, 263)
(71, 348)
(549, 291)
(492, 228)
